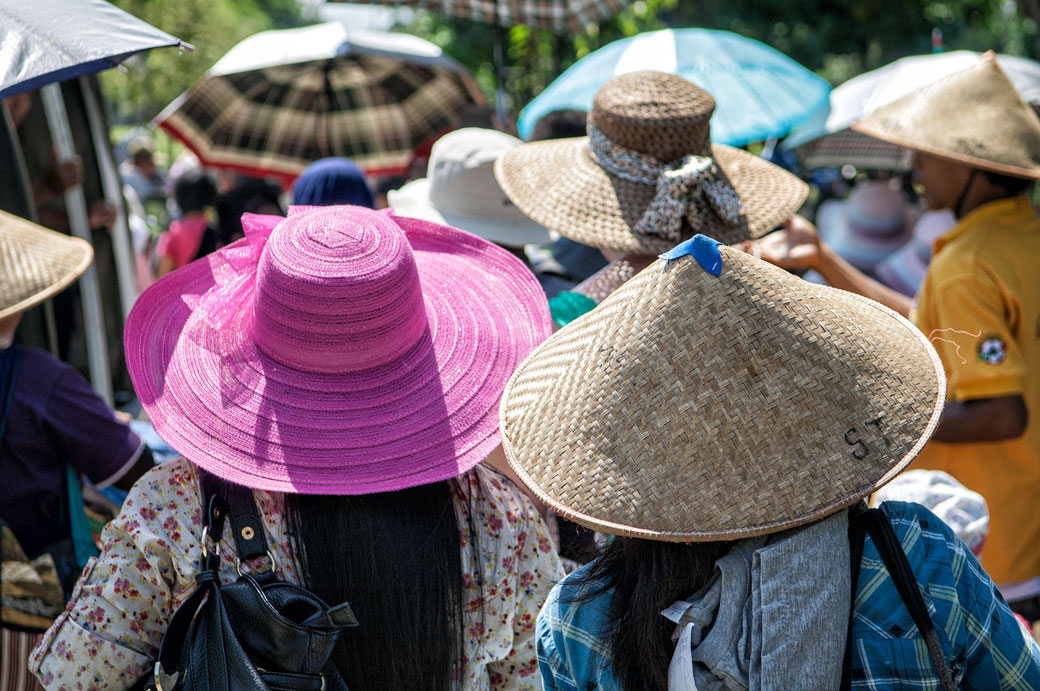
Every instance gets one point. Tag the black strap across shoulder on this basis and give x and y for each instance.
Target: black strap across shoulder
(876, 524)
(235, 502)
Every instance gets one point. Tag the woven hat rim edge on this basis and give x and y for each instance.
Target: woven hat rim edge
(635, 242)
(973, 161)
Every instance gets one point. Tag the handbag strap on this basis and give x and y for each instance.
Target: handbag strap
(222, 500)
(236, 502)
(874, 522)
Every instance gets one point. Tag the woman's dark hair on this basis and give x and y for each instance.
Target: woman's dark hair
(646, 576)
(1010, 184)
(396, 557)
(560, 124)
(194, 192)
(248, 195)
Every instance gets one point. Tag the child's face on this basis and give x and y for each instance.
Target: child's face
(943, 180)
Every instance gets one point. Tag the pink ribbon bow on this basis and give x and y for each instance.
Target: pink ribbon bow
(237, 279)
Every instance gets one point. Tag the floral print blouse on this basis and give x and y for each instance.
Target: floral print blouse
(110, 631)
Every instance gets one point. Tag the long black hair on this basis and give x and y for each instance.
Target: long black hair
(396, 557)
(646, 576)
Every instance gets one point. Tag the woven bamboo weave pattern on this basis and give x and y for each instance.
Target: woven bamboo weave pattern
(37, 263)
(772, 401)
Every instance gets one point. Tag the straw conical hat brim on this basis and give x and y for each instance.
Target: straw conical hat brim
(36, 263)
(689, 407)
(974, 117)
(559, 185)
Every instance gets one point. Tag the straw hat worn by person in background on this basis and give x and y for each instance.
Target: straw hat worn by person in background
(646, 177)
(50, 417)
(460, 190)
(977, 151)
(719, 416)
(346, 365)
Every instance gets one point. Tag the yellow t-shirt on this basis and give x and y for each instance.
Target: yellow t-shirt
(980, 306)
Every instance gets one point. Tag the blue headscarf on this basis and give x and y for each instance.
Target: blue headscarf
(332, 181)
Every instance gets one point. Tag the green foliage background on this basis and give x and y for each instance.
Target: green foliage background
(212, 26)
(838, 39)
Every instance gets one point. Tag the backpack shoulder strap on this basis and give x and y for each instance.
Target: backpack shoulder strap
(857, 535)
(876, 524)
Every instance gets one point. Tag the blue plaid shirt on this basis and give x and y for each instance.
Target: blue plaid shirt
(985, 644)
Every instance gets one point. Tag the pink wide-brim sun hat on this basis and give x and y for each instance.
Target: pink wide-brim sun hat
(339, 351)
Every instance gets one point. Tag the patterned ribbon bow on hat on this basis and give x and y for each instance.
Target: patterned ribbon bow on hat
(687, 190)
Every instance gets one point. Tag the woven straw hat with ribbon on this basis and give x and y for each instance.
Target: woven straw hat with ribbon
(647, 174)
(975, 117)
(36, 263)
(715, 397)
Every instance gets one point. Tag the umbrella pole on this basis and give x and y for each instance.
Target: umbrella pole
(50, 325)
(76, 207)
(113, 192)
(500, 67)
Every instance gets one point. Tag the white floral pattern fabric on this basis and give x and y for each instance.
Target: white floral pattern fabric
(111, 629)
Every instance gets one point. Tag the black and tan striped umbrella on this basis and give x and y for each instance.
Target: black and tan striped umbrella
(280, 100)
(559, 16)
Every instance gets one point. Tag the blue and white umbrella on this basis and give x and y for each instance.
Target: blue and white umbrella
(760, 92)
(45, 41)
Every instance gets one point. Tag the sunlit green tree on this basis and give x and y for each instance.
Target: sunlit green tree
(212, 26)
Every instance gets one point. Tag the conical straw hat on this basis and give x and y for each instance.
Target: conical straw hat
(974, 116)
(694, 407)
(36, 263)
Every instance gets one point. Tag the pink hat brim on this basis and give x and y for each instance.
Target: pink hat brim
(430, 416)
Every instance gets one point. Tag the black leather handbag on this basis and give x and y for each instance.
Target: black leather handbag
(256, 634)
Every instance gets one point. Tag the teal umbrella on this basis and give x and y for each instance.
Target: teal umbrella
(760, 92)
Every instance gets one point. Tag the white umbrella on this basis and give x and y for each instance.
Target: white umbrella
(825, 138)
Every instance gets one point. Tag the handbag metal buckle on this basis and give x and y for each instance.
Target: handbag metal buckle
(161, 677)
(206, 543)
(270, 557)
